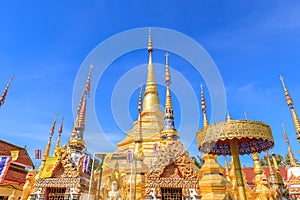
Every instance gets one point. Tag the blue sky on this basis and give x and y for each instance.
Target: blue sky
(43, 45)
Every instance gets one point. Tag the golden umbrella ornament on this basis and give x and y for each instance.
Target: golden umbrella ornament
(235, 137)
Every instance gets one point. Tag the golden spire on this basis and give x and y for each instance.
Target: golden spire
(76, 120)
(291, 155)
(278, 175)
(88, 82)
(257, 169)
(151, 101)
(81, 116)
(272, 175)
(169, 127)
(290, 103)
(228, 117)
(47, 150)
(205, 122)
(76, 138)
(3, 96)
(59, 134)
(245, 115)
(168, 106)
(61, 126)
(226, 170)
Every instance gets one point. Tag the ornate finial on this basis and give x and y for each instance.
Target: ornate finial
(150, 48)
(168, 106)
(88, 82)
(292, 158)
(228, 116)
(61, 126)
(257, 169)
(167, 76)
(169, 117)
(140, 106)
(3, 96)
(226, 170)
(151, 101)
(205, 122)
(76, 138)
(59, 135)
(272, 175)
(81, 116)
(53, 125)
(47, 151)
(279, 181)
(245, 115)
(290, 103)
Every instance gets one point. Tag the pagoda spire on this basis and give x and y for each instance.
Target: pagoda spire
(279, 181)
(290, 103)
(79, 124)
(169, 130)
(3, 96)
(76, 120)
(47, 150)
(291, 155)
(151, 101)
(226, 170)
(272, 175)
(76, 142)
(228, 118)
(258, 171)
(59, 133)
(205, 122)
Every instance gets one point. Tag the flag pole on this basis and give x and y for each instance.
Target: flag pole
(91, 178)
(100, 176)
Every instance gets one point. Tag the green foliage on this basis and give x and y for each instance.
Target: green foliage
(281, 161)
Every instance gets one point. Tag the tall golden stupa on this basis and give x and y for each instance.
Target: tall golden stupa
(151, 117)
(161, 168)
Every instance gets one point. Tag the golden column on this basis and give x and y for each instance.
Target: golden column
(238, 170)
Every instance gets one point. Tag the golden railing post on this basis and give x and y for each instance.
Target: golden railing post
(238, 171)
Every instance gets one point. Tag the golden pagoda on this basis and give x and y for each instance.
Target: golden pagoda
(160, 167)
(262, 190)
(150, 118)
(65, 174)
(213, 185)
(173, 174)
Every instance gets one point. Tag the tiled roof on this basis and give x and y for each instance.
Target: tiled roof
(15, 176)
(249, 172)
(23, 158)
